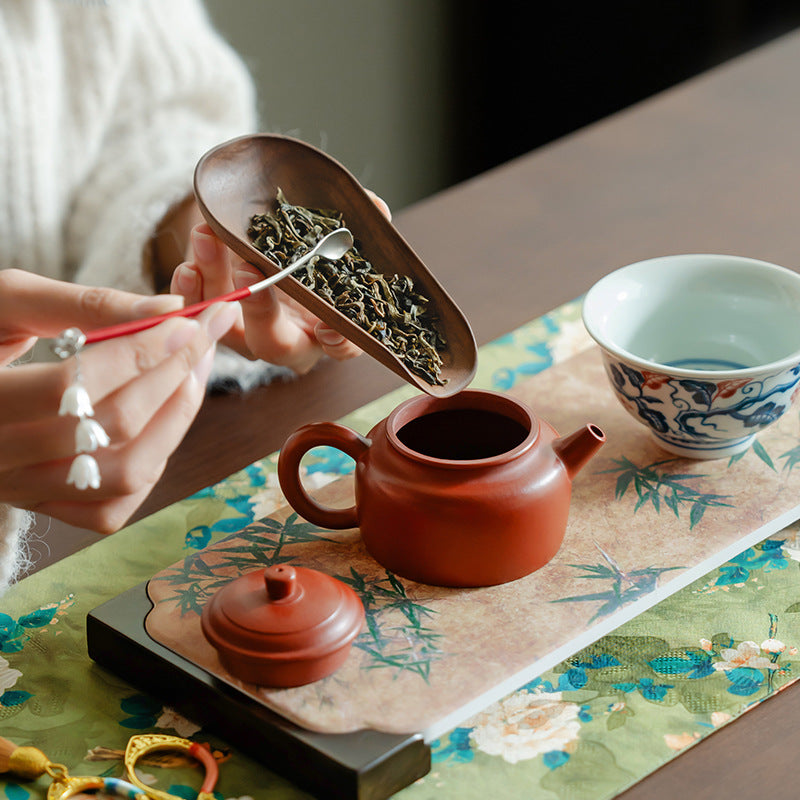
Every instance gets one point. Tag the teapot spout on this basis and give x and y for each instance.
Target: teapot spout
(577, 448)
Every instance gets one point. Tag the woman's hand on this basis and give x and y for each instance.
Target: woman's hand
(145, 389)
(273, 326)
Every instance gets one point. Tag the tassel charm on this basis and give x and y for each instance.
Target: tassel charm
(25, 762)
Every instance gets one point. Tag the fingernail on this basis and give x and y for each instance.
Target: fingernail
(242, 276)
(187, 281)
(157, 304)
(205, 246)
(203, 367)
(329, 337)
(219, 318)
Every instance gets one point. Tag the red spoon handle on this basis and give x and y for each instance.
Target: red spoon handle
(136, 325)
(331, 246)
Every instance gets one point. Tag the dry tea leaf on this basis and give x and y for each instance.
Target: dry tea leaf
(386, 306)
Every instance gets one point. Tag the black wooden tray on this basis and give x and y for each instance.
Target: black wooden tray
(365, 765)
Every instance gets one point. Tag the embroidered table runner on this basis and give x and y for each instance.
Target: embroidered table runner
(589, 727)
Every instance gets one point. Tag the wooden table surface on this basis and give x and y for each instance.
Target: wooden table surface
(712, 165)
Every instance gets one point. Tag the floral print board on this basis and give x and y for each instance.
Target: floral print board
(641, 526)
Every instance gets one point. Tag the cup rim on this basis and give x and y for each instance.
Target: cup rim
(623, 354)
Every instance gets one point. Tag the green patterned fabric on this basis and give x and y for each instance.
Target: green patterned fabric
(599, 722)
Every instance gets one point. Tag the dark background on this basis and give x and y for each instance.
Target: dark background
(526, 73)
(415, 95)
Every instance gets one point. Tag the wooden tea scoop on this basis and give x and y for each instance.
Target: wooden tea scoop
(241, 178)
(332, 246)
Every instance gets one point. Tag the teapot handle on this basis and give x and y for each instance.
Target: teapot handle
(296, 446)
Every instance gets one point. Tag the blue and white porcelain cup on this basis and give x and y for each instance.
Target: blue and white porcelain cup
(702, 349)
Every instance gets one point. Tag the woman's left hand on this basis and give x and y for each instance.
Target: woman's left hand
(272, 326)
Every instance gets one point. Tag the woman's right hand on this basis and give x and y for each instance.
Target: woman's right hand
(145, 388)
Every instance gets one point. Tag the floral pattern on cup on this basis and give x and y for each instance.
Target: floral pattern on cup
(701, 417)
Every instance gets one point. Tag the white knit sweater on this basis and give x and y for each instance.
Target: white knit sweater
(105, 107)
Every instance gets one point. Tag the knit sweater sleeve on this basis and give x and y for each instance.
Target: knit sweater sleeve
(14, 525)
(179, 90)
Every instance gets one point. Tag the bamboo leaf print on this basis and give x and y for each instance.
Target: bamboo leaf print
(409, 646)
(671, 501)
(737, 457)
(792, 458)
(259, 545)
(654, 485)
(623, 481)
(626, 586)
(759, 450)
(655, 499)
(696, 514)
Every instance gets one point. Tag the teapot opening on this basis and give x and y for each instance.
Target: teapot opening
(463, 434)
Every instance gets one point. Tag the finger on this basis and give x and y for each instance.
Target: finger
(273, 330)
(26, 443)
(34, 391)
(125, 413)
(208, 275)
(101, 516)
(35, 305)
(188, 283)
(122, 414)
(383, 206)
(127, 471)
(211, 259)
(334, 345)
(127, 475)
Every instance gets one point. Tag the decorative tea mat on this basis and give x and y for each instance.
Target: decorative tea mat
(588, 728)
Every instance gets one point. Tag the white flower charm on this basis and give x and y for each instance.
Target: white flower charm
(89, 435)
(75, 402)
(84, 472)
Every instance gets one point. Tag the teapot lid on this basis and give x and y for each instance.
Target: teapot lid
(282, 613)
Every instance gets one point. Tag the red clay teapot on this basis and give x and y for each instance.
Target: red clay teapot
(468, 490)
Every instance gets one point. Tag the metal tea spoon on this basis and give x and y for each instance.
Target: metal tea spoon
(331, 246)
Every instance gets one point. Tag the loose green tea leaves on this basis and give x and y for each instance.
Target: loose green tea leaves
(386, 306)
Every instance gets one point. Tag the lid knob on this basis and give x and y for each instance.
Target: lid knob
(281, 582)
